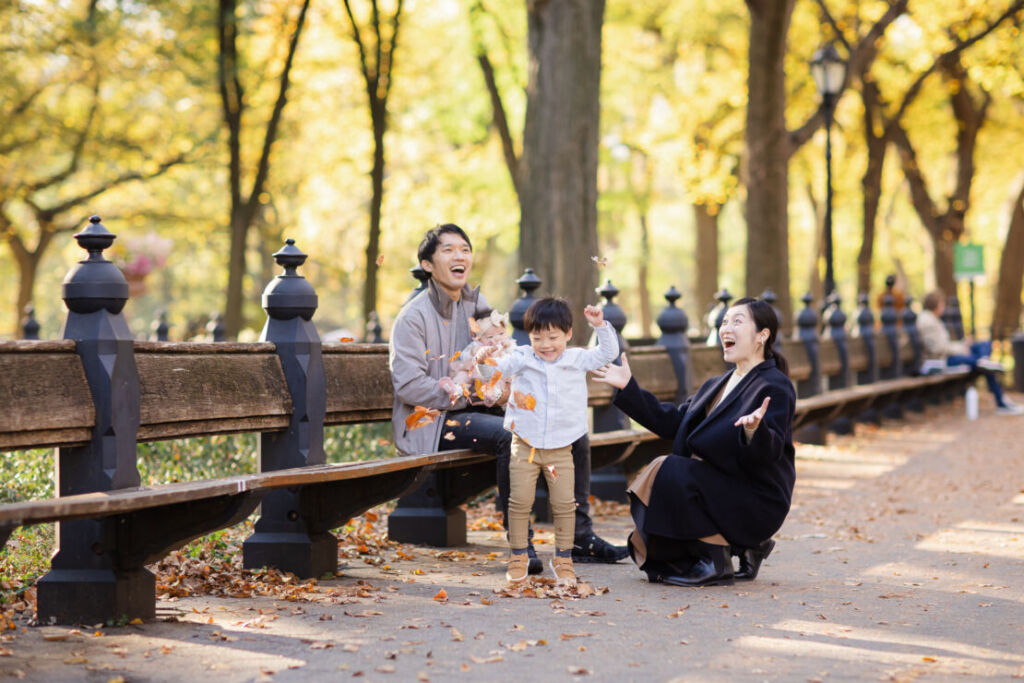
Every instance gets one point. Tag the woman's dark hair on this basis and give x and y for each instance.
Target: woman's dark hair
(546, 313)
(433, 237)
(765, 319)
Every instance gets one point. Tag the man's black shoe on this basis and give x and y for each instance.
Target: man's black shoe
(593, 548)
(535, 566)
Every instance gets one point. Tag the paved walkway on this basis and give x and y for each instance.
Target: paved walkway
(903, 559)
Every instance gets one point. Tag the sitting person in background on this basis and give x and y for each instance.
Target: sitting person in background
(939, 345)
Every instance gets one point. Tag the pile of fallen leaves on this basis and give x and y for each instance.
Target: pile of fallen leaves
(548, 587)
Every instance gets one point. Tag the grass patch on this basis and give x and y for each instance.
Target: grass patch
(28, 475)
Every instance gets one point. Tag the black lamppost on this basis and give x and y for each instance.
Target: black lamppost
(829, 72)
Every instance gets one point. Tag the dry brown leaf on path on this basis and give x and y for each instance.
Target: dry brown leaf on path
(578, 670)
(441, 596)
(487, 660)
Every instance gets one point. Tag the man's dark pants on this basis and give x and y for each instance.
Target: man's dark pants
(482, 430)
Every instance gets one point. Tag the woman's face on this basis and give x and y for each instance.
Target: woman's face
(742, 343)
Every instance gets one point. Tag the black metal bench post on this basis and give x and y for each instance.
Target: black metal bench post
(29, 324)
(609, 482)
(284, 536)
(86, 582)
(912, 369)
(866, 335)
(891, 333)
(807, 334)
(836, 321)
(673, 323)
(717, 315)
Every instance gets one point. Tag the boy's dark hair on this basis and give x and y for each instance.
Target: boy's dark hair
(546, 313)
(433, 237)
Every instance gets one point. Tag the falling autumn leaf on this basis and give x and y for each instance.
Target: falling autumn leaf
(601, 261)
(421, 416)
(380, 260)
(533, 451)
(554, 473)
(457, 354)
(346, 340)
(489, 361)
(449, 436)
(474, 326)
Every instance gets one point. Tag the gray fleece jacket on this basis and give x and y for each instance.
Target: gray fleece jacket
(428, 331)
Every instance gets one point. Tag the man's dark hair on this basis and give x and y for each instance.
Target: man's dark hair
(548, 312)
(430, 241)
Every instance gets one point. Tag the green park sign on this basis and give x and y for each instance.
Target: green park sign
(968, 261)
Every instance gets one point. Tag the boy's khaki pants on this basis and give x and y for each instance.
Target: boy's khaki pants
(557, 468)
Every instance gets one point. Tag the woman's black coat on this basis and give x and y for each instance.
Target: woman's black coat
(741, 490)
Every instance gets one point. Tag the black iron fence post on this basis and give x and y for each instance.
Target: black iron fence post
(285, 535)
(86, 581)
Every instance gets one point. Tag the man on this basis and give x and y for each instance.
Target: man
(429, 330)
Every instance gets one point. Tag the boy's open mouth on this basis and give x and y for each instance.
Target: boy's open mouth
(728, 343)
(458, 269)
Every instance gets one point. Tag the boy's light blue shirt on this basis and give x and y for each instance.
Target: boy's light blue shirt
(559, 386)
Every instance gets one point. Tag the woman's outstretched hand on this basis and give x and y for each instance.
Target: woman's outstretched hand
(751, 421)
(615, 375)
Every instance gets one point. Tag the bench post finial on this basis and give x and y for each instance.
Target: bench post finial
(85, 582)
(286, 536)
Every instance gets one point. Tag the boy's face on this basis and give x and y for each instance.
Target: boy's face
(549, 343)
(450, 264)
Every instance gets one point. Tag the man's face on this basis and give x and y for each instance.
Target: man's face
(450, 264)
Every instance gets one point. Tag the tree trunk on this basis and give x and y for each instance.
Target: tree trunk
(815, 284)
(707, 283)
(871, 182)
(558, 224)
(379, 115)
(767, 180)
(244, 209)
(1006, 318)
(643, 290)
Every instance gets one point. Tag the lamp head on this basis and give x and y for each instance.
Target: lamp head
(828, 70)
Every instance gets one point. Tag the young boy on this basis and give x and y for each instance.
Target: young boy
(546, 413)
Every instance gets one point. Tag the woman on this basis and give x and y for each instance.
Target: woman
(727, 485)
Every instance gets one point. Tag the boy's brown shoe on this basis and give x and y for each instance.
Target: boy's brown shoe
(562, 567)
(518, 563)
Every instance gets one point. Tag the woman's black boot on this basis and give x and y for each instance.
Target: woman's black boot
(751, 559)
(713, 567)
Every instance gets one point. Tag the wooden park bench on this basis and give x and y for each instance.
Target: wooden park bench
(97, 393)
